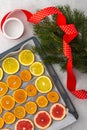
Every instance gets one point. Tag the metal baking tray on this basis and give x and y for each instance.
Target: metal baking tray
(72, 114)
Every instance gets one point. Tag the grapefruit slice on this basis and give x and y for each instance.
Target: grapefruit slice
(26, 57)
(25, 75)
(20, 96)
(53, 96)
(9, 118)
(31, 90)
(37, 69)
(5, 129)
(24, 124)
(57, 111)
(42, 120)
(43, 84)
(30, 107)
(3, 88)
(7, 102)
(1, 73)
(10, 65)
(14, 82)
(19, 112)
(42, 101)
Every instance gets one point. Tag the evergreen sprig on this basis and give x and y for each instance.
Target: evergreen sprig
(51, 36)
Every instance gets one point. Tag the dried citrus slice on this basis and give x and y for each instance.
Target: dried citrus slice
(37, 68)
(20, 96)
(30, 107)
(43, 84)
(25, 75)
(19, 112)
(1, 73)
(42, 101)
(9, 117)
(10, 65)
(1, 122)
(26, 57)
(3, 88)
(53, 96)
(0, 109)
(7, 102)
(31, 90)
(13, 81)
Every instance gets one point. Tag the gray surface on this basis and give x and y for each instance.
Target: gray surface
(33, 5)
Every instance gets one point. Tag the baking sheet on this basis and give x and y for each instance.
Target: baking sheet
(72, 115)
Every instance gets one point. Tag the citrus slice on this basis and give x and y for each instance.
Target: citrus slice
(30, 107)
(53, 96)
(43, 84)
(3, 88)
(42, 120)
(25, 75)
(1, 122)
(37, 68)
(24, 124)
(1, 73)
(10, 65)
(26, 57)
(7, 102)
(57, 111)
(20, 96)
(9, 117)
(13, 81)
(0, 109)
(42, 101)
(31, 90)
(19, 112)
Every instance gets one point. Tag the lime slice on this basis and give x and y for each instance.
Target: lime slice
(37, 69)
(26, 57)
(10, 65)
(43, 84)
(1, 73)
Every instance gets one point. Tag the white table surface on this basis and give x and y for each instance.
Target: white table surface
(33, 5)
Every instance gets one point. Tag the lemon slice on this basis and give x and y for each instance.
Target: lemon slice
(26, 57)
(43, 84)
(37, 69)
(1, 73)
(10, 65)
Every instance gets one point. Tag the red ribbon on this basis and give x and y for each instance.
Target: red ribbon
(70, 33)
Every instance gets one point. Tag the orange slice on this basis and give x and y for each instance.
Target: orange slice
(26, 57)
(9, 118)
(31, 90)
(25, 75)
(13, 81)
(7, 102)
(19, 112)
(0, 109)
(37, 68)
(42, 101)
(31, 107)
(10, 65)
(1, 73)
(3, 88)
(53, 96)
(1, 122)
(43, 84)
(20, 96)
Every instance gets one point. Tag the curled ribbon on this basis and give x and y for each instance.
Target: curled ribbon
(70, 33)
